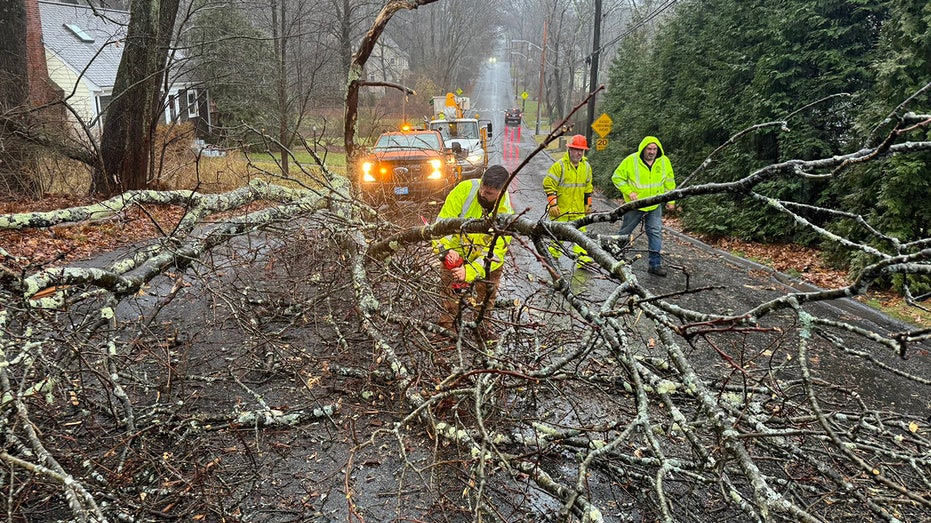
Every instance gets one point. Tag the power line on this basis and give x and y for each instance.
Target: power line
(649, 18)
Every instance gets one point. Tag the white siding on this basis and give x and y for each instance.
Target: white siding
(79, 92)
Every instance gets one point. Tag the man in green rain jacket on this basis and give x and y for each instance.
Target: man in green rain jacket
(465, 256)
(644, 174)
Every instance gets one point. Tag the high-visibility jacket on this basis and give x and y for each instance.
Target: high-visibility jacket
(571, 185)
(475, 248)
(633, 175)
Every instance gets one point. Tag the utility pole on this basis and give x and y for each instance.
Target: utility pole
(512, 68)
(593, 80)
(542, 76)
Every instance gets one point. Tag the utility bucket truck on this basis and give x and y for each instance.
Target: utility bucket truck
(467, 137)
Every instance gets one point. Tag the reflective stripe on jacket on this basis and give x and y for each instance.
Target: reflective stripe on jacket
(570, 185)
(633, 175)
(462, 202)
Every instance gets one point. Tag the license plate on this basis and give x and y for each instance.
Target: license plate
(400, 191)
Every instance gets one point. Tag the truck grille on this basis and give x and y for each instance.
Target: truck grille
(407, 172)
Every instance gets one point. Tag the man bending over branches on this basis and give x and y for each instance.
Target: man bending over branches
(472, 260)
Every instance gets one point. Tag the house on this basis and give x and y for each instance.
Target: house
(387, 63)
(83, 47)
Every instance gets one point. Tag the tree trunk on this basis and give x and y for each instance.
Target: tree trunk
(16, 166)
(345, 36)
(129, 125)
(280, 34)
(12, 54)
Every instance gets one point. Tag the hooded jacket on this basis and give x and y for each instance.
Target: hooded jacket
(634, 175)
(570, 185)
(475, 248)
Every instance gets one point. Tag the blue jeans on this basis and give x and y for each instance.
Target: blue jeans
(653, 223)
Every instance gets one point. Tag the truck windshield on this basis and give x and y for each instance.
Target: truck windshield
(408, 141)
(456, 129)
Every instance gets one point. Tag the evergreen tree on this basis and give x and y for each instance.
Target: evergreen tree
(234, 60)
(893, 195)
(717, 67)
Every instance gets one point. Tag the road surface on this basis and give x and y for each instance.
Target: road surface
(733, 284)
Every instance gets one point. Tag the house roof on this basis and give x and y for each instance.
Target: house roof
(85, 38)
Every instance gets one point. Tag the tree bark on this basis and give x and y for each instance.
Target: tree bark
(16, 165)
(12, 54)
(281, 35)
(129, 125)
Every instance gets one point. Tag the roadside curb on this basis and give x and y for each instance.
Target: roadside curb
(841, 306)
(791, 283)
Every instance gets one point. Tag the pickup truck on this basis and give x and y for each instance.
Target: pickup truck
(408, 164)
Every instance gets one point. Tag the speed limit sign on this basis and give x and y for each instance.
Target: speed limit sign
(601, 144)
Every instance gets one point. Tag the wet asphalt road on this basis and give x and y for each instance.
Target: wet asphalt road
(732, 285)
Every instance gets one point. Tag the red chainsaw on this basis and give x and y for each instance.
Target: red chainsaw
(459, 287)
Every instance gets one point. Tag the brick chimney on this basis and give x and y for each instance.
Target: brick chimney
(41, 89)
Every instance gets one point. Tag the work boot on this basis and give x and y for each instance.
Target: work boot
(658, 270)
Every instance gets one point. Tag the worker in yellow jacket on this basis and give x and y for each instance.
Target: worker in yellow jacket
(467, 256)
(644, 174)
(568, 188)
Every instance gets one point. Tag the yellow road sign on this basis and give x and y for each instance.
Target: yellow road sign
(601, 144)
(602, 125)
(524, 95)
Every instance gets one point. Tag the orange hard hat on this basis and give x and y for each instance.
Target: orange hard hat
(578, 142)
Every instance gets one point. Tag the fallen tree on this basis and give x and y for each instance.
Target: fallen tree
(250, 365)
(152, 384)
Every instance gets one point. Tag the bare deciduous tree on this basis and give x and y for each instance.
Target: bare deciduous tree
(447, 42)
(356, 78)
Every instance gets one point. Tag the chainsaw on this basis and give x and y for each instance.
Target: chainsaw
(459, 287)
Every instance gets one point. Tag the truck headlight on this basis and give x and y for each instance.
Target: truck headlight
(367, 172)
(436, 172)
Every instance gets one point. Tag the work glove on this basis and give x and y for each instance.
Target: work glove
(551, 206)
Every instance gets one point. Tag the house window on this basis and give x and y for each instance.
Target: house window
(172, 108)
(102, 103)
(192, 111)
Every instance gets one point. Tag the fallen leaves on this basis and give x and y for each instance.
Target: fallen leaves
(804, 263)
(64, 244)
